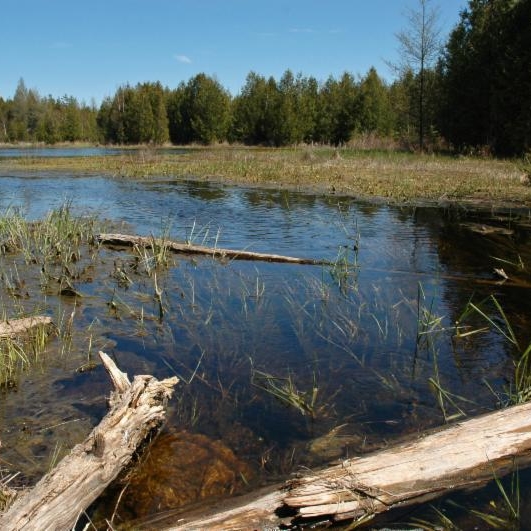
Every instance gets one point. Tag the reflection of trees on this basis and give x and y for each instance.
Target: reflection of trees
(204, 190)
(291, 200)
(284, 199)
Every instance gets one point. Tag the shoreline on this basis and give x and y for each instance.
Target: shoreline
(389, 177)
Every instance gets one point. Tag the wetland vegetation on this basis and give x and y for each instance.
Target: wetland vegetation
(419, 317)
(376, 175)
(281, 365)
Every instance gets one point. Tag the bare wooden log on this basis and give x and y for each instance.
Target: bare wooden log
(257, 512)
(21, 327)
(462, 456)
(188, 248)
(61, 496)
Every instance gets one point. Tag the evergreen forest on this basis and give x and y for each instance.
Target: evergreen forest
(473, 97)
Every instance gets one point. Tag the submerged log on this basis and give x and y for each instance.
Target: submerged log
(188, 248)
(61, 496)
(462, 456)
(22, 327)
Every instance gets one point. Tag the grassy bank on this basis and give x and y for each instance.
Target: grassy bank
(390, 175)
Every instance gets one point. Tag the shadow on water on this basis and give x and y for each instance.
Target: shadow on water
(281, 366)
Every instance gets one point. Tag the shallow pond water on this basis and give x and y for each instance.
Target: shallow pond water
(47, 152)
(273, 358)
(89, 151)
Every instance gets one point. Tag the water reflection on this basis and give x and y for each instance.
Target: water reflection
(273, 357)
(50, 152)
(55, 152)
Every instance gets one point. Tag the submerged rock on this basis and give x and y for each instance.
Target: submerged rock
(336, 444)
(180, 469)
(481, 228)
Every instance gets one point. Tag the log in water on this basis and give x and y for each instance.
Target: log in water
(61, 496)
(188, 248)
(464, 455)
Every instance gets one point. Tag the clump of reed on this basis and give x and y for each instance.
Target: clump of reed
(39, 259)
(18, 353)
(55, 239)
(285, 390)
(502, 511)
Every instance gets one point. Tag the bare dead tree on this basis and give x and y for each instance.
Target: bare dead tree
(420, 47)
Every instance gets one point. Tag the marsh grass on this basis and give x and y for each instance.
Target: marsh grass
(492, 312)
(393, 175)
(40, 259)
(17, 354)
(431, 335)
(285, 390)
(344, 269)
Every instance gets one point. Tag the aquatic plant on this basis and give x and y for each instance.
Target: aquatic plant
(18, 353)
(519, 390)
(284, 389)
(502, 511)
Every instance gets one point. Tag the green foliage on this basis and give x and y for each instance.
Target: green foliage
(136, 115)
(30, 118)
(475, 96)
(199, 111)
(487, 80)
(375, 109)
(254, 111)
(339, 110)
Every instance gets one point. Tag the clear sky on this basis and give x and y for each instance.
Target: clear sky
(87, 49)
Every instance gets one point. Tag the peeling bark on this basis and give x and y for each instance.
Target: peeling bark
(61, 496)
(462, 456)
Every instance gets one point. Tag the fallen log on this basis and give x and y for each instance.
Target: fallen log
(21, 327)
(462, 456)
(188, 248)
(61, 496)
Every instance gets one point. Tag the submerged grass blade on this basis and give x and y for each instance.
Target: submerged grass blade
(509, 336)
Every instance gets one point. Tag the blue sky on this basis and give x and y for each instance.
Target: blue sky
(86, 49)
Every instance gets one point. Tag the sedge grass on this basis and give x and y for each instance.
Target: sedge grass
(285, 390)
(17, 354)
(40, 257)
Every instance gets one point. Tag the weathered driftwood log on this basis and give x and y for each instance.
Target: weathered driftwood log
(60, 497)
(21, 327)
(461, 456)
(188, 248)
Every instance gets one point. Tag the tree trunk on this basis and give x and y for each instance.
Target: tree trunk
(188, 248)
(61, 496)
(464, 455)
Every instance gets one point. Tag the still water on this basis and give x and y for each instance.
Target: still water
(272, 357)
(48, 152)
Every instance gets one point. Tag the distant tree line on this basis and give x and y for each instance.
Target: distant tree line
(28, 117)
(476, 95)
